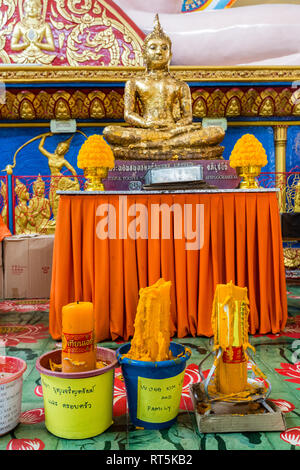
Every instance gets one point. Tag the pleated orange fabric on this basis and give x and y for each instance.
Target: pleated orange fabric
(109, 246)
(4, 230)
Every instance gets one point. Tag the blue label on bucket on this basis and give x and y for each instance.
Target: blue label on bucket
(158, 400)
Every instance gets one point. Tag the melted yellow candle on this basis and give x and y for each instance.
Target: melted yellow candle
(230, 325)
(151, 340)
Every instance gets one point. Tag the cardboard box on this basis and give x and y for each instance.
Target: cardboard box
(27, 261)
(1, 283)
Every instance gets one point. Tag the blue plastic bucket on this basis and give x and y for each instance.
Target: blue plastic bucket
(154, 388)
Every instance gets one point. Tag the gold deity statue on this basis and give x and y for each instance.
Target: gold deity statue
(39, 210)
(3, 193)
(27, 110)
(163, 128)
(297, 198)
(21, 209)
(32, 37)
(57, 161)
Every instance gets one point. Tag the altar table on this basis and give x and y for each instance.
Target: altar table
(96, 259)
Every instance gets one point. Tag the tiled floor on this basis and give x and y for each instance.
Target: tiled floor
(25, 330)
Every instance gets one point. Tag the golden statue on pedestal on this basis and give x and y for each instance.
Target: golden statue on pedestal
(32, 35)
(158, 109)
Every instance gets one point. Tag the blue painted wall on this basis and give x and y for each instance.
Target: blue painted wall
(293, 148)
(30, 161)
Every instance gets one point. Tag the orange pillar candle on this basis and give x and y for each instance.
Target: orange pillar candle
(78, 345)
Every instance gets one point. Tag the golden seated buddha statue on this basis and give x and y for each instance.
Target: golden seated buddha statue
(158, 111)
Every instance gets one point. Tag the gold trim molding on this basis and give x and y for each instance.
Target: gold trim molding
(107, 102)
(104, 124)
(54, 74)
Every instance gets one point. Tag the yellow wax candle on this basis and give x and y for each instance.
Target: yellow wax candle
(78, 347)
(151, 340)
(230, 325)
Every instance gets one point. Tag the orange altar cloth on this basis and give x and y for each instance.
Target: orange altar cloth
(241, 243)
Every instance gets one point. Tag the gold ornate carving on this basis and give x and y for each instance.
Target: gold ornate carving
(267, 103)
(283, 105)
(32, 37)
(21, 209)
(82, 45)
(81, 103)
(232, 102)
(3, 192)
(62, 105)
(250, 102)
(120, 74)
(95, 104)
(201, 102)
(291, 258)
(114, 105)
(297, 197)
(85, 35)
(217, 108)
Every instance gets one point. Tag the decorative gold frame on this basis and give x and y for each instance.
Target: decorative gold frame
(213, 91)
(55, 74)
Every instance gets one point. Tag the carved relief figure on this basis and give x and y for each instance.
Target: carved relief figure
(27, 110)
(21, 209)
(62, 110)
(233, 108)
(32, 37)
(39, 210)
(267, 107)
(57, 161)
(297, 198)
(4, 196)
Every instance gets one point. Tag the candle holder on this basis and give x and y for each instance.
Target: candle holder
(227, 400)
(248, 174)
(94, 176)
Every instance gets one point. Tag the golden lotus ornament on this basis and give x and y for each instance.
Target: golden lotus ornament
(94, 176)
(248, 175)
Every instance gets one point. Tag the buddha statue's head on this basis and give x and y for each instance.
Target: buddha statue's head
(157, 48)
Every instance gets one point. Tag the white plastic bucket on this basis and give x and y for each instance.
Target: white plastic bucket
(11, 382)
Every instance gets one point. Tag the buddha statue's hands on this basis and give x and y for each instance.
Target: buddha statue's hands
(157, 124)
